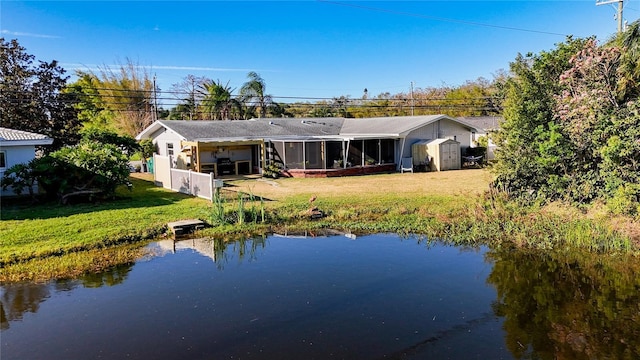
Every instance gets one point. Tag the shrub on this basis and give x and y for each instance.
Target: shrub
(272, 170)
(626, 200)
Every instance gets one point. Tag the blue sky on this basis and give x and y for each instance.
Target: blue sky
(305, 49)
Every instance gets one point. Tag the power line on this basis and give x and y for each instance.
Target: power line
(150, 94)
(403, 13)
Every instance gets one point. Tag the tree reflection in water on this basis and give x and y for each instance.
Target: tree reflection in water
(554, 305)
(568, 306)
(20, 298)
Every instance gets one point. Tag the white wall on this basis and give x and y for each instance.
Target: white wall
(17, 155)
(164, 136)
(441, 129)
(455, 131)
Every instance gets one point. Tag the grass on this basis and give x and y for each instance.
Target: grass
(38, 231)
(52, 241)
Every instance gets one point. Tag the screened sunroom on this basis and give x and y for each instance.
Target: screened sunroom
(326, 154)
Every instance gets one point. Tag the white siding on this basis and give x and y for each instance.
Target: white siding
(162, 138)
(454, 131)
(17, 155)
(441, 129)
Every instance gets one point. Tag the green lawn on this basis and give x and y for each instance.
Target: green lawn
(50, 240)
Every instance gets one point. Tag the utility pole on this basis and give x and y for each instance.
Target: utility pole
(192, 95)
(619, 14)
(412, 106)
(155, 100)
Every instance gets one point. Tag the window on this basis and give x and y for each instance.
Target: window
(169, 149)
(3, 159)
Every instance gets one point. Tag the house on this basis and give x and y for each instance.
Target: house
(18, 147)
(303, 147)
(484, 125)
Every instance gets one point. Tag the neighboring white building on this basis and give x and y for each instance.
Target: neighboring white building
(485, 126)
(18, 147)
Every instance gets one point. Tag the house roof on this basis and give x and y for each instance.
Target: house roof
(486, 123)
(248, 129)
(391, 126)
(11, 137)
(294, 128)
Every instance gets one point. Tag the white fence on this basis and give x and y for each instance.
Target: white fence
(184, 181)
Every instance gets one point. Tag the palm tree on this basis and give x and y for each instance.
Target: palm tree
(217, 101)
(253, 91)
(630, 61)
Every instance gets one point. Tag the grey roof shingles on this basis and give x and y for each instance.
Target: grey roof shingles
(392, 125)
(486, 123)
(295, 128)
(255, 128)
(7, 134)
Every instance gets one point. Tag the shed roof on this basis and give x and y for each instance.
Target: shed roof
(441, 141)
(12, 137)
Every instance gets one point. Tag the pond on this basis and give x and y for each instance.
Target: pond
(376, 296)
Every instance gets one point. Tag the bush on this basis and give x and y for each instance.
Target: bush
(272, 170)
(626, 200)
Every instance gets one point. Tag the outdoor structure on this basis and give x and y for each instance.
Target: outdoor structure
(484, 125)
(442, 154)
(18, 147)
(301, 147)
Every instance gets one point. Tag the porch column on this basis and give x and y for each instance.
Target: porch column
(345, 151)
(263, 152)
(197, 154)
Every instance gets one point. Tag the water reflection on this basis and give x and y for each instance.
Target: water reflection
(378, 296)
(219, 250)
(20, 298)
(560, 306)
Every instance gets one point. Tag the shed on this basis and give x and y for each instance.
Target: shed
(419, 153)
(444, 154)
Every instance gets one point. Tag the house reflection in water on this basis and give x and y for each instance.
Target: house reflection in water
(204, 246)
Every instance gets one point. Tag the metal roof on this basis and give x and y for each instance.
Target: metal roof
(19, 137)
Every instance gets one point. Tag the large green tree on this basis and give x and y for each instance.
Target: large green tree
(91, 106)
(91, 169)
(571, 125)
(120, 99)
(128, 92)
(532, 148)
(31, 96)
